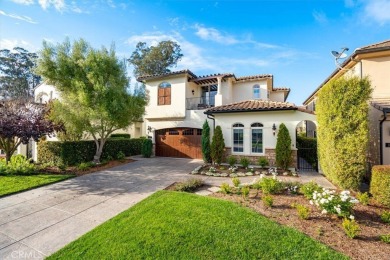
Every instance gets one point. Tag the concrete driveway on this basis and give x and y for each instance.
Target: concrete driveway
(37, 223)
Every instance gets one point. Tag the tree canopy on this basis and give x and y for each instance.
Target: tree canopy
(93, 88)
(21, 120)
(155, 59)
(17, 79)
(283, 147)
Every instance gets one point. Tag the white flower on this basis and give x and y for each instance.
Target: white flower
(324, 211)
(352, 217)
(354, 200)
(311, 202)
(314, 195)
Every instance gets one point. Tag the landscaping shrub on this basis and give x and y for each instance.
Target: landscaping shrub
(206, 150)
(244, 162)
(268, 201)
(270, 185)
(189, 185)
(85, 166)
(147, 147)
(308, 142)
(380, 184)
(342, 114)
(331, 202)
(225, 188)
(292, 187)
(232, 160)
(363, 198)
(309, 188)
(124, 135)
(351, 228)
(262, 161)
(73, 153)
(385, 216)
(303, 211)
(18, 165)
(283, 148)
(217, 146)
(120, 156)
(385, 238)
(236, 182)
(245, 191)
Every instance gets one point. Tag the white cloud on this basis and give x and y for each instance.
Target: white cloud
(59, 5)
(11, 43)
(23, 2)
(378, 10)
(18, 17)
(320, 17)
(212, 34)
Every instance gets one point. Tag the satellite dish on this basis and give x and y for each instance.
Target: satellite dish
(339, 55)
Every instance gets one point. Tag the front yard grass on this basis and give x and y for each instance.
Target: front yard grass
(179, 225)
(10, 184)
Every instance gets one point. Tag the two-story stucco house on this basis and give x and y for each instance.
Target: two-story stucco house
(372, 61)
(249, 110)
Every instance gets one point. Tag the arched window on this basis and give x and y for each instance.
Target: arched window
(256, 91)
(238, 138)
(164, 93)
(257, 138)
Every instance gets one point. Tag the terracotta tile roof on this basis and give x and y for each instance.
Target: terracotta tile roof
(381, 104)
(376, 45)
(281, 89)
(144, 77)
(259, 76)
(252, 106)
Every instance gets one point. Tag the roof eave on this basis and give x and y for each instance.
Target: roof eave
(246, 110)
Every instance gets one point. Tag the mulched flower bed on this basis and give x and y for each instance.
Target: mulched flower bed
(77, 172)
(324, 228)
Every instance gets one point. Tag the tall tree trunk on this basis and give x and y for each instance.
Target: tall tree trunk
(99, 150)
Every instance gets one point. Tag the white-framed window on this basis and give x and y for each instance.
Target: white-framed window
(256, 91)
(238, 138)
(257, 138)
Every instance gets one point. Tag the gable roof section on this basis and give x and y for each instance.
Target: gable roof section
(376, 47)
(252, 106)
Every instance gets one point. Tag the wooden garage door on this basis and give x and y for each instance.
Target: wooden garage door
(179, 142)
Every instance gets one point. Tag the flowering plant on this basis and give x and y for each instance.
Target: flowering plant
(212, 169)
(330, 202)
(273, 171)
(233, 169)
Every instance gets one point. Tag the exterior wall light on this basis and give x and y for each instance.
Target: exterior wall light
(193, 92)
(274, 129)
(149, 129)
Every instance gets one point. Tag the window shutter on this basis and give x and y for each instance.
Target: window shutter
(167, 95)
(160, 96)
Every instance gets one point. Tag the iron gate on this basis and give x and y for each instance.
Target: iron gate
(307, 159)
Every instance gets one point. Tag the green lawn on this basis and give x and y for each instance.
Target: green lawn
(178, 225)
(16, 183)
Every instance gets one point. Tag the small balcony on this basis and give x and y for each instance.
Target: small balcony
(199, 103)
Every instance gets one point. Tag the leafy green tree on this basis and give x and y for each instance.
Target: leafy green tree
(17, 79)
(93, 87)
(206, 142)
(155, 59)
(283, 147)
(217, 146)
(342, 114)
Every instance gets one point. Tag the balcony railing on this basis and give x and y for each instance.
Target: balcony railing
(200, 103)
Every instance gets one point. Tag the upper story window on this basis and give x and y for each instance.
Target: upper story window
(256, 92)
(238, 138)
(257, 138)
(164, 93)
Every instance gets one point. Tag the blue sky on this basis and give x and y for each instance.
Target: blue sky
(290, 39)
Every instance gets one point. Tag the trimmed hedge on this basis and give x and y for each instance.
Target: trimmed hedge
(342, 114)
(73, 153)
(126, 136)
(380, 184)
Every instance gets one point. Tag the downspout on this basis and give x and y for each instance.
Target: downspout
(381, 134)
(212, 118)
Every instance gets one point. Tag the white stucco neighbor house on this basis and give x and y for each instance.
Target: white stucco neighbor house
(249, 110)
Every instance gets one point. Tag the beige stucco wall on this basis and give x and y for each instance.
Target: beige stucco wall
(244, 90)
(289, 118)
(277, 96)
(378, 70)
(386, 139)
(46, 92)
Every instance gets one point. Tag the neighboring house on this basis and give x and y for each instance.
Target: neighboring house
(249, 110)
(372, 61)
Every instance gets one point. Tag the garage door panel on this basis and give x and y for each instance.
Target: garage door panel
(179, 142)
